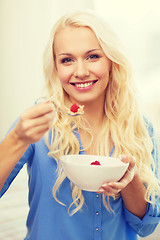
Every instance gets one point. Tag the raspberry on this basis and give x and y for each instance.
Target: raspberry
(95, 163)
(74, 108)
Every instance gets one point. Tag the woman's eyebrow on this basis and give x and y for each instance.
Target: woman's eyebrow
(69, 54)
(92, 50)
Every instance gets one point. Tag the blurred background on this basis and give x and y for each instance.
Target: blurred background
(25, 27)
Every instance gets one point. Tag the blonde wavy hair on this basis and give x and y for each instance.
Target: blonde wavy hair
(123, 120)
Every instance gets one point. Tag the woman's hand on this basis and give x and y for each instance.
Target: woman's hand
(31, 126)
(34, 123)
(113, 188)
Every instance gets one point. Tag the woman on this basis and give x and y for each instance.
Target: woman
(84, 63)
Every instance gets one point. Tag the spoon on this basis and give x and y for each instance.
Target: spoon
(75, 109)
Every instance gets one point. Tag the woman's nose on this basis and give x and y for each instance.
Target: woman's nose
(81, 70)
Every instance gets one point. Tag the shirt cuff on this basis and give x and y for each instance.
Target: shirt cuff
(147, 225)
(152, 215)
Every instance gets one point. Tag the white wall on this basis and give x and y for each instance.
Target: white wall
(24, 28)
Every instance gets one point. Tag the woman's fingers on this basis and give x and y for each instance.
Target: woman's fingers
(128, 159)
(35, 134)
(129, 174)
(35, 122)
(108, 189)
(45, 119)
(38, 110)
(112, 188)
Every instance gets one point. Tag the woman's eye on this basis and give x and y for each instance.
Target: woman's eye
(66, 60)
(93, 56)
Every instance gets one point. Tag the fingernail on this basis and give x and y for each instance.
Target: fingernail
(104, 185)
(101, 190)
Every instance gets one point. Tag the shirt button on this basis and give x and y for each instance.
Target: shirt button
(97, 228)
(97, 213)
(97, 195)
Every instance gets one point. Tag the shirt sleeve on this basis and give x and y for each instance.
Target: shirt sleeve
(147, 225)
(24, 159)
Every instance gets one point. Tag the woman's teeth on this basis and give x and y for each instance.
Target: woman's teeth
(83, 85)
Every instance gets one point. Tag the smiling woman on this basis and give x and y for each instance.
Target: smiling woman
(85, 64)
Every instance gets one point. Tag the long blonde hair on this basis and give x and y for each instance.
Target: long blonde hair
(123, 123)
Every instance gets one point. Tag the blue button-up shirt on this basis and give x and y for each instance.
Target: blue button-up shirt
(47, 219)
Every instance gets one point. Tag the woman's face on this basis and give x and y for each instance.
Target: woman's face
(82, 66)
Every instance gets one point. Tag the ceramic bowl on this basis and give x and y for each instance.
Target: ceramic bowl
(89, 177)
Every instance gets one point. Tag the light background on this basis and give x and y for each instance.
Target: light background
(137, 23)
(24, 27)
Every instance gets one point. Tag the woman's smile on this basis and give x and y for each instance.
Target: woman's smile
(84, 85)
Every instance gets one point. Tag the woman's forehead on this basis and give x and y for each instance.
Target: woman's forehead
(72, 37)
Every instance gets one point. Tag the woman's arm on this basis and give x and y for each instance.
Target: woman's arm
(11, 150)
(31, 126)
(133, 197)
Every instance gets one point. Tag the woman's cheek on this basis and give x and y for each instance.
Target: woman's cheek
(99, 71)
(64, 75)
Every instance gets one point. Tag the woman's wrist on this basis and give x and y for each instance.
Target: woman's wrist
(133, 196)
(16, 139)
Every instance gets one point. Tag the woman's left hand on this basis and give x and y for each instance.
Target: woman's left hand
(113, 188)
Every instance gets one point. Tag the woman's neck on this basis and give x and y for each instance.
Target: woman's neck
(94, 113)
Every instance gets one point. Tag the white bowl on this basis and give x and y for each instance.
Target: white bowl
(89, 177)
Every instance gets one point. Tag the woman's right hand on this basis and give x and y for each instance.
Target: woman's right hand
(30, 128)
(34, 122)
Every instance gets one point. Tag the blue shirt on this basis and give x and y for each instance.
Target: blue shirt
(49, 220)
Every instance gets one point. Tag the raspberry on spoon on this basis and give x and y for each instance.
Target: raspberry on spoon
(74, 108)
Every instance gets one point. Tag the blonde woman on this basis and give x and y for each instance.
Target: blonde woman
(84, 64)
